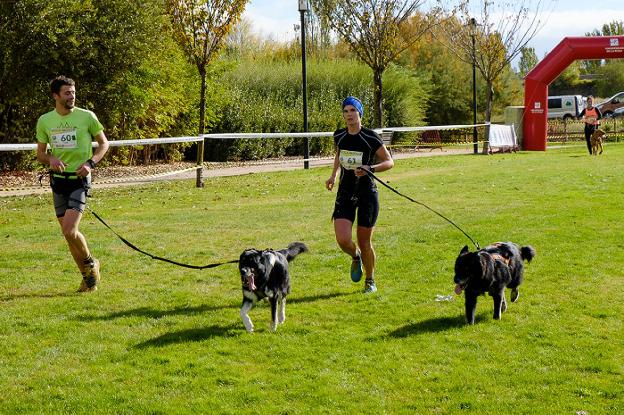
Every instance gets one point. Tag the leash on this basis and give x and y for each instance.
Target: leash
(180, 264)
(371, 174)
(131, 245)
(128, 243)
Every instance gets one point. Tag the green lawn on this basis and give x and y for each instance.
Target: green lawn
(160, 339)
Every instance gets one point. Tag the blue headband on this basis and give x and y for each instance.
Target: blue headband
(355, 102)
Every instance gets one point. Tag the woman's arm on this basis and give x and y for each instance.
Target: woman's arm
(329, 183)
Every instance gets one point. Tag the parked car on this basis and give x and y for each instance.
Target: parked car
(608, 107)
(619, 112)
(565, 106)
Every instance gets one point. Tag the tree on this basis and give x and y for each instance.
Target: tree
(503, 28)
(611, 80)
(614, 28)
(528, 60)
(449, 80)
(373, 31)
(200, 28)
(124, 61)
(569, 82)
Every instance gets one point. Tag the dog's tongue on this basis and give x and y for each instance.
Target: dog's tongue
(458, 289)
(251, 283)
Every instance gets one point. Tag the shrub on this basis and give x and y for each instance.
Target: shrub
(265, 96)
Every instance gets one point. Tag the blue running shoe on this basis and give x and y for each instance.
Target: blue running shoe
(370, 287)
(356, 268)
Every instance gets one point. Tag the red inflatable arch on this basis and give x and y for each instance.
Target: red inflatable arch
(536, 81)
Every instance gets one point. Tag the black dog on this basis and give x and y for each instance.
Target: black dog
(491, 270)
(264, 274)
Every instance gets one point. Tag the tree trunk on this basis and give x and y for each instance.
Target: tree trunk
(378, 113)
(488, 114)
(202, 123)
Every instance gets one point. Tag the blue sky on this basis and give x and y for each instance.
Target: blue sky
(275, 18)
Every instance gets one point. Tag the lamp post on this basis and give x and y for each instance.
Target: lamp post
(303, 7)
(473, 30)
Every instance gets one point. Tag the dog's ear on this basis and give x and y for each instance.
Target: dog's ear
(464, 250)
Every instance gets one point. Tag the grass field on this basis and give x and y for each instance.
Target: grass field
(161, 339)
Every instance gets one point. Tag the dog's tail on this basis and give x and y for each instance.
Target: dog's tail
(527, 253)
(293, 250)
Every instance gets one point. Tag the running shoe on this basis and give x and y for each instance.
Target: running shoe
(91, 277)
(356, 268)
(370, 287)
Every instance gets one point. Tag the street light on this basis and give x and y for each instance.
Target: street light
(303, 7)
(473, 31)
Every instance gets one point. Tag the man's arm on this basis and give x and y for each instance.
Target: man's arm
(98, 155)
(48, 159)
(102, 147)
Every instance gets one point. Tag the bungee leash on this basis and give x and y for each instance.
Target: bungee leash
(124, 240)
(180, 264)
(371, 174)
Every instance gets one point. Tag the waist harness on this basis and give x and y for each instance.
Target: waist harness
(66, 183)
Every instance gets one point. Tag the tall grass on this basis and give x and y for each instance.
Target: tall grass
(265, 96)
(156, 338)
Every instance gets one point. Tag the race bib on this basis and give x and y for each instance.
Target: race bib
(63, 138)
(351, 160)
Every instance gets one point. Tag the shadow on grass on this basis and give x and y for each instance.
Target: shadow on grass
(11, 297)
(153, 313)
(433, 325)
(148, 312)
(318, 297)
(191, 335)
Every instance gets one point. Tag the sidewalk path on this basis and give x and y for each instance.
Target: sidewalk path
(221, 170)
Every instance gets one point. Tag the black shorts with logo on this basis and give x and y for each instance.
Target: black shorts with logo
(364, 204)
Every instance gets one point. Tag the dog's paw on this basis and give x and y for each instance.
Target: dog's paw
(273, 327)
(248, 324)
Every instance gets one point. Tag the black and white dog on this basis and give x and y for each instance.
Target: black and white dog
(491, 270)
(264, 274)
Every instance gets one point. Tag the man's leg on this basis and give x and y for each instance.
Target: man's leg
(89, 267)
(75, 240)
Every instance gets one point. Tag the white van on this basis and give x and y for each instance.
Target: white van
(565, 106)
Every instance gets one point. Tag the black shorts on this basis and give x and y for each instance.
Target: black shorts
(69, 192)
(366, 205)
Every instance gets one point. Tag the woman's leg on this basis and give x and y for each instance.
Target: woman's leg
(343, 229)
(365, 242)
(588, 132)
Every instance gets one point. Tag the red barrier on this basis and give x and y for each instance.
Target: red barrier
(536, 82)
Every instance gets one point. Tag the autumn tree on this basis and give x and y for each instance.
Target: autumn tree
(200, 27)
(373, 31)
(502, 29)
